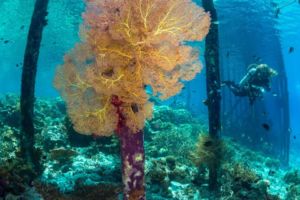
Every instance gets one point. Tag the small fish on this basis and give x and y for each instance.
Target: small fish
(272, 172)
(273, 4)
(134, 108)
(22, 27)
(233, 140)
(258, 59)
(208, 143)
(295, 137)
(227, 54)
(6, 41)
(17, 65)
(266, 126)
(249, 139)
(264, 113)
(108, 73)
(216, 22)
(95, 136)
(274, 94)
(277, 12)
(205, 102)
(291, 49)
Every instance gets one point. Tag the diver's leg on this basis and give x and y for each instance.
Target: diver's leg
(255, 92)
(252, 100)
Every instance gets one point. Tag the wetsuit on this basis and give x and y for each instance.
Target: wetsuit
(253, 84)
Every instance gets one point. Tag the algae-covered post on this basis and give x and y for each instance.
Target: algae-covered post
(213, 82)
(38, 21)
(129, 45)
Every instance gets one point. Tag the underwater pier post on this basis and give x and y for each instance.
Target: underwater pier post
(27, 99)
(283, 93)
(132, 157)
(213, 84)
(133, 164)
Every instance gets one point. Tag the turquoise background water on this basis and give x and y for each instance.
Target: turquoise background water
(247, 28)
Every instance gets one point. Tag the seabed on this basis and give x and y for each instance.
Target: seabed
(80, 167)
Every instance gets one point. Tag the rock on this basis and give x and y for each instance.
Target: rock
(171, 162)
(292, 177)
(272, 163)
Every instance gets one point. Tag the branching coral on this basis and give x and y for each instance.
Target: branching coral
(126, 46)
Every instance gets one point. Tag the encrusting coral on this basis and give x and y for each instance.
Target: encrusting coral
(128, 45)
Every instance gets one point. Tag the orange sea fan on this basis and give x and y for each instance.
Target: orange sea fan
(128, 45)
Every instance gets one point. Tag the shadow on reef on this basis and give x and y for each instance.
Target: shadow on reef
(96, 192)
(14, 177)
(177, 160)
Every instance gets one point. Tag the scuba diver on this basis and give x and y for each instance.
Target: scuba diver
(254, 84)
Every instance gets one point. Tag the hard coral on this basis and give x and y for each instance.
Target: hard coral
(292, 177)
(244, 183)
(126, 46)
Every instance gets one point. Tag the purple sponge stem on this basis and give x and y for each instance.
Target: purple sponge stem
(133, 164)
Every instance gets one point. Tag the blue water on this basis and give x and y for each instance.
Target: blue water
(249, 30)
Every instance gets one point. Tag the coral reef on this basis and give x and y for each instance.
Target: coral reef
(292, 177)
(93, 169)
(100, 191)
(293, 192)
(10, 111)
(9, 143)
(63, 163)
(14, 177)
(272, 163)
(171, 132)
(165, 173)
(240, 182)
